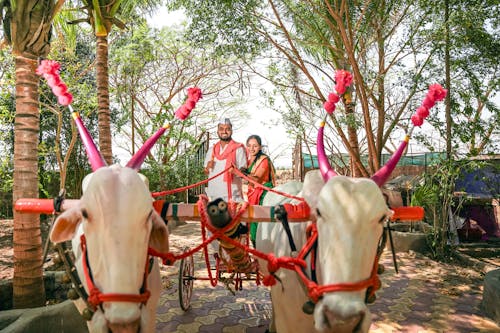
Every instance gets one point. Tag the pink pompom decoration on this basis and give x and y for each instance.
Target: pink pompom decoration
(417, 120)
(333, 97)
(60, 89)
(329, 107)
(65, 99)
(428, 102)
(190, 105)
(182, 112)
(343, 80)
(422, 112)
(48, 67)
(436, 92)
(194, 94)
(53, 80)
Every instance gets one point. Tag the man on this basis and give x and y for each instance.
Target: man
(221, 156)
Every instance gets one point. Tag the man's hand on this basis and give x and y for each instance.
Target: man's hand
(210, 166)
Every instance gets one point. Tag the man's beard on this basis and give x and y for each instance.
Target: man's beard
(225, 139)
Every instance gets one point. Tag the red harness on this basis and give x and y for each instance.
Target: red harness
(96, 297)
(316, 291)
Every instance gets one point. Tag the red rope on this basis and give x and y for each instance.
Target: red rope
(270, 189)
(96, 297)
(187, 187)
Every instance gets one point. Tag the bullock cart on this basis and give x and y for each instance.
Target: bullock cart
(236, 261)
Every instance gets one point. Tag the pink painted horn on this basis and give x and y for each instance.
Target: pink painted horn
(95, 158)
(324, 166)
(139, 157)
(381, 176)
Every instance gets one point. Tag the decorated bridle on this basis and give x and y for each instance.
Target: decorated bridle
(372, 283)
(49, 69)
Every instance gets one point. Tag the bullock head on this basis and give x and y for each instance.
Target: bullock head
(350, 215)
(116, 216)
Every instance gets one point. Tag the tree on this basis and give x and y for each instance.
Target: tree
(151, 71)
(472, 53)
(375, 41)
(102, 16)
(27, 25)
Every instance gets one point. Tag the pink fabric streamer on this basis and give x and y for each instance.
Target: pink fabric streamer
(436, 93)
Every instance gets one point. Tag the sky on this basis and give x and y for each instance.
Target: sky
(279, 145)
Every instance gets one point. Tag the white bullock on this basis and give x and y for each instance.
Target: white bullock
(349, 215)
(116, 215)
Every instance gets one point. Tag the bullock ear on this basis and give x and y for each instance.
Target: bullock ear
(65, 225)
(158, 239)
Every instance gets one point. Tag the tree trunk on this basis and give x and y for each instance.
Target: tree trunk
(28, 286)
(103, 113)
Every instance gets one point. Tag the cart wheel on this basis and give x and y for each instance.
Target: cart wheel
(186, 279)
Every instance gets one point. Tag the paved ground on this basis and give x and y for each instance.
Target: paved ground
(424, 297)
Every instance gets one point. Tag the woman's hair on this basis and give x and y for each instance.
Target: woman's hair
(256, 138)
(259, 141)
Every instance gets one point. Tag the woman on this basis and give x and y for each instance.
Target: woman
(261, 170)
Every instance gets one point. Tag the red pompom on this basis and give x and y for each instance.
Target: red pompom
(333, 97)
(417, 120)
(329, 107)
(436, 92)
(422, 112)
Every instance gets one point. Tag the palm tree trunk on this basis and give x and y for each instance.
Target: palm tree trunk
(28, 286)
(104, 116)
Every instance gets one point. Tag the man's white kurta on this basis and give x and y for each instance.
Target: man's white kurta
(217, 187)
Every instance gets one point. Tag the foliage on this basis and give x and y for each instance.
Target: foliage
(474, 47)
(437, 196)
(151, 71)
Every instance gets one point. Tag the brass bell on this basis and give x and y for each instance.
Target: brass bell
(308, 307)
(87, 314)
(57, 259)
(72, 294)
(66, 278)
(380, 269)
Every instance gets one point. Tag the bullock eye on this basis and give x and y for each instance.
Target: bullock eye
(318, 212)
(85, 214)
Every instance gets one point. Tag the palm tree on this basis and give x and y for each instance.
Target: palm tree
(27, 26)
(102, 16)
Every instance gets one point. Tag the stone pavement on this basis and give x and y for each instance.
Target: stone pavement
(424, 297)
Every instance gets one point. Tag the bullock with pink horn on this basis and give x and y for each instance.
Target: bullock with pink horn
(112, 228)
(331, 294)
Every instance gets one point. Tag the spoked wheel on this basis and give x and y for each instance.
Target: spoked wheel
(186, 280)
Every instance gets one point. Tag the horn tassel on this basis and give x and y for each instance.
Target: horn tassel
(324, 166)
(95, 158)
(381, 176)
(139, 157)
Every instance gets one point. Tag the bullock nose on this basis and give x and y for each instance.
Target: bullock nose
(343, 323)
(132, 327)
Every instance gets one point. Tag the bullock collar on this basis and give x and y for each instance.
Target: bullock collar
(96, 297)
